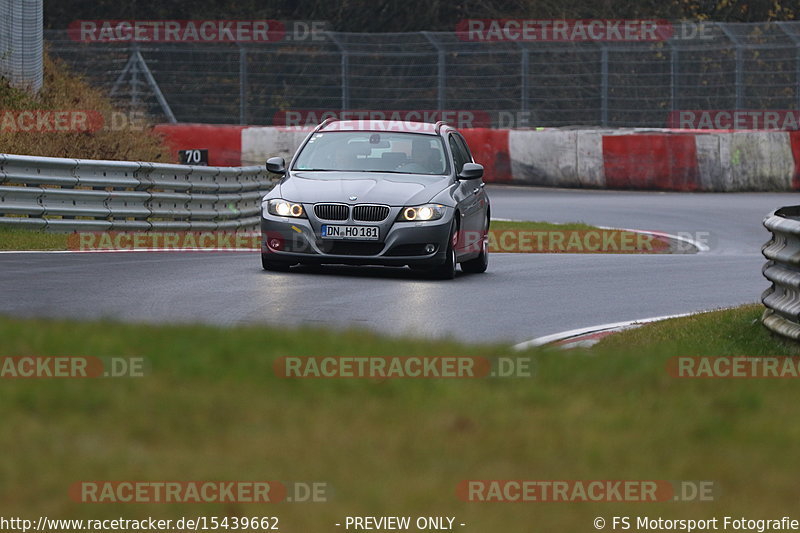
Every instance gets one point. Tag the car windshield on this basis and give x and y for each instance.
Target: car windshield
(366, 151)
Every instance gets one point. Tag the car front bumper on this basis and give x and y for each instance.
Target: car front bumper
(298, 240)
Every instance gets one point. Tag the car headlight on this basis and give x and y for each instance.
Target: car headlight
(282, 208)
(421, 213)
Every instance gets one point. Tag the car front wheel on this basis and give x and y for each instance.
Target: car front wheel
(480, 263)
(447, 270)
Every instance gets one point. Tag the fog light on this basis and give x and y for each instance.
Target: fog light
(275, 244)
(429, 248)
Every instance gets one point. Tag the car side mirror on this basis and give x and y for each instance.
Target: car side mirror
(471, 171)
(276, 165)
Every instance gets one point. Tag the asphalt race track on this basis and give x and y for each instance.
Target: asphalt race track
(521, 296)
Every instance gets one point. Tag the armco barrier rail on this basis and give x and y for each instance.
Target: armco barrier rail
(782, 300)
(88, 195)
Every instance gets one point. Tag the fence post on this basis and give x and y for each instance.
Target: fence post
(135, 78)
(796, 40)
(525, 67)
(242, 85)
(739, 79)
(604, 85)
(673, 76)
(441, 85)
(345, 69)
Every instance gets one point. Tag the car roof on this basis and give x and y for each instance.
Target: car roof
(403, 126)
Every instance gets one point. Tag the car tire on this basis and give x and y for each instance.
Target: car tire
(274, 266)
(447, 270)
(480, 263)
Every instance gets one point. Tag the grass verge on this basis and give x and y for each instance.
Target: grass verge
(212, 409)
(25, 240)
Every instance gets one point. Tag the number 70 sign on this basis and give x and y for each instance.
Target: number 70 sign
(194, 157)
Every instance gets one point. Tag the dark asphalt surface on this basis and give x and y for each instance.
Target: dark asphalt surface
(521, 296)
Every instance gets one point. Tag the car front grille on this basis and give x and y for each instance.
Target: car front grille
(352, 248)
(331, 211)
(370, 213)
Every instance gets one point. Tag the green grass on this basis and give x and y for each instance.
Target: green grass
(212, 408)
(24, 239)
(501, 225)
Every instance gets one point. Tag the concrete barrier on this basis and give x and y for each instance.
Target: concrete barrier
(652, 159)
(548, 158)
(224, 143)
(259, 144)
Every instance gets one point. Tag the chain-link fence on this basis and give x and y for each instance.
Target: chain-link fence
(513, 83)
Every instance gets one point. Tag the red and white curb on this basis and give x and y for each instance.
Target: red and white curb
(586, 337)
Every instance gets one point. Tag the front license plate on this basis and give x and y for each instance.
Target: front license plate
(362, 233)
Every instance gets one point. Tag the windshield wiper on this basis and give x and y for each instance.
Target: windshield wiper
(390, 172)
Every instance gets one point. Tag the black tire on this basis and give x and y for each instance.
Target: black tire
(480, 263)
(446, 270)
(274, 266)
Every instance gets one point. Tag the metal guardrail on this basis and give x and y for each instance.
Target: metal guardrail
(782, 299)
(89, 195)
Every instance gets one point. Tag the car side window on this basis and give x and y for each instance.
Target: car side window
(460, 157)
(460, 140)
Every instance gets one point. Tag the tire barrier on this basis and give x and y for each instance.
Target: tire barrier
(782, 299)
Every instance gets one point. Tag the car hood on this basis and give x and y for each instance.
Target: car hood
(369, 188)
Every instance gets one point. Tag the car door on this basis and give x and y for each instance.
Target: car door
(470, 197)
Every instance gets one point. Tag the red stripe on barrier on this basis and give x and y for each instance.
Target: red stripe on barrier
(490, 148)
(794, 139)
(224, 143)
(666, 162)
